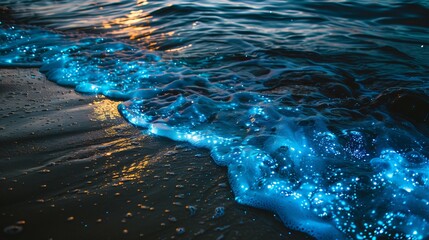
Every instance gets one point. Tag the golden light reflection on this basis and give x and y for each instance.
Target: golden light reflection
(179, 49)
(136, 27)
(104, 109)
(134, 171)
(142, 2)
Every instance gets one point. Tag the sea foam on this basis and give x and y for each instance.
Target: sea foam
(322, 168)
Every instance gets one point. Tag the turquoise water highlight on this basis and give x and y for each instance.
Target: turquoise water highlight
(334, 150)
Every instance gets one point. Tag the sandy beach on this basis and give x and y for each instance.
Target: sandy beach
(72, 168)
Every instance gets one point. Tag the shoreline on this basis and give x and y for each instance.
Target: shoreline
(72, 168)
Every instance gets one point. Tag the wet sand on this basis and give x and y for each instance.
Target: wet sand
(72, 168)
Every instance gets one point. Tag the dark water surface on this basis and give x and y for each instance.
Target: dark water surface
(319, 109)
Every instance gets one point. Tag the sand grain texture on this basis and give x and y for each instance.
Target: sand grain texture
(72, 168)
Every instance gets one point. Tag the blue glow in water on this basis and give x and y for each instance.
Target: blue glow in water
(219, 212)
(283, 154)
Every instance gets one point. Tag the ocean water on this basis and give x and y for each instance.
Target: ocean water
(318, 109)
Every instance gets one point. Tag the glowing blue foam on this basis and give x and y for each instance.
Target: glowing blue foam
(355, 182)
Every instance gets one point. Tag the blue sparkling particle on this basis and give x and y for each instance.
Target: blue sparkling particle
(333, 184)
